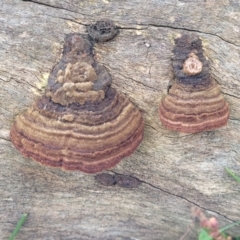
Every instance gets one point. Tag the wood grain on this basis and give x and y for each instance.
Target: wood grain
(177, 170)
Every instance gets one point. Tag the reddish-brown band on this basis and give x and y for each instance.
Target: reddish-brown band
(92, 142)
(189, 111)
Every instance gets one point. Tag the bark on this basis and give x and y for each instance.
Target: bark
(176, 170)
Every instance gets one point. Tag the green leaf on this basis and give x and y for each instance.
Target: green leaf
(203, 235)
(18, 226)
(229, 226)
(232, 174)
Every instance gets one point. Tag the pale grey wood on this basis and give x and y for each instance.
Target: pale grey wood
(177, 171)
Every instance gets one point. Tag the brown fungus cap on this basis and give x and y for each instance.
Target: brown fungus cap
(194, 102)
(81, 123)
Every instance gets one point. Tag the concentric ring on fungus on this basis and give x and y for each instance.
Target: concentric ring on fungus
(194, 102)
(80, 123)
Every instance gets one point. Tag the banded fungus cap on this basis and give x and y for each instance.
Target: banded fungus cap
(194, 102)
(81, 122)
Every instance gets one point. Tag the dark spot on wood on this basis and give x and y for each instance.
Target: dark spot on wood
(120, 180)
(105, 179)
(127, 181)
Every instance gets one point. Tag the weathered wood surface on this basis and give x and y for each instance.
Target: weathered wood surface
(177, 171)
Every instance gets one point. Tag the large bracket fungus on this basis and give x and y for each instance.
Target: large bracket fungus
(194, 102)
(80, 123)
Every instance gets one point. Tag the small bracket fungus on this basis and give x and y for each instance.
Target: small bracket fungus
(80, 123)
(194, 102)
(103, 30)
(192, 65)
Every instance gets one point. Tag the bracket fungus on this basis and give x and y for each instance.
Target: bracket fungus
(80, 123)
(103, 30)
(194, 102)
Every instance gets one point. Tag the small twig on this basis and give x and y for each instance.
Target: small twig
(19, 225)
(188, 230)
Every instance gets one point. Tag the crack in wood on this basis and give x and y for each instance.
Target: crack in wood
(189, 30)
(151, 127)
(132, 28)
(175, 195)
(48, 5)
(138, 82)
(5, 139)
(71, 20)
(147, 25)
(230, 95)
